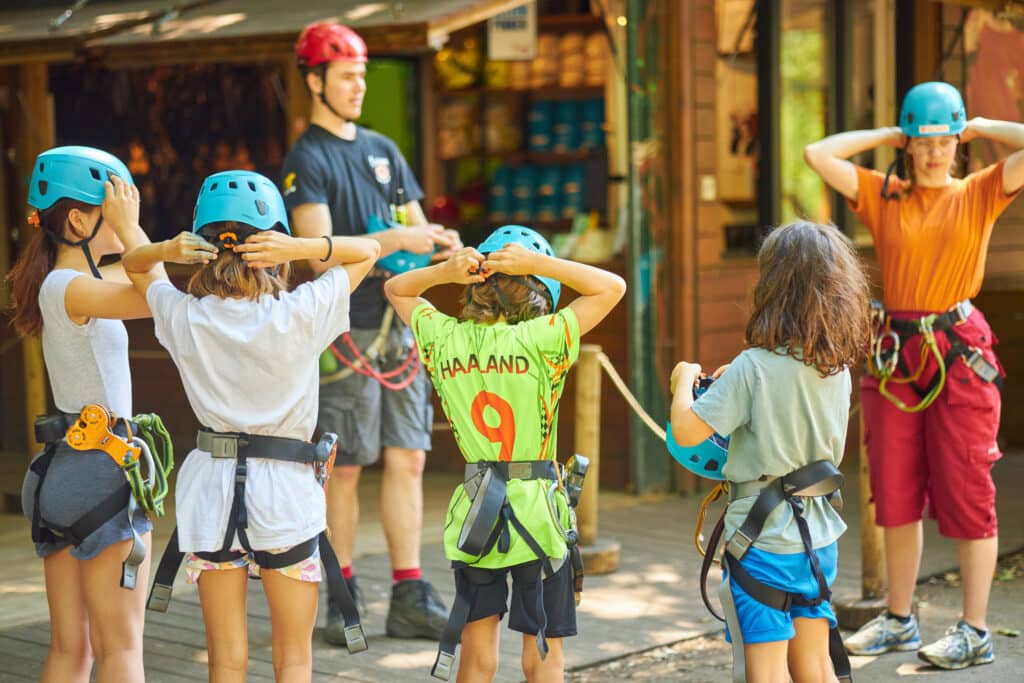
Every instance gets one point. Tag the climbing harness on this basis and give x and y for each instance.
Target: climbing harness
(240, 447)
(487, 526)
(886, 363)
(362, 362)
(128, 443)
(820, 478)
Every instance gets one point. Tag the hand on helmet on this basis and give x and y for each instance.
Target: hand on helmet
(896, 137)
(466, 266)
(513, 259)
(270, 248)
(188, 247)
(120, 205)
(973, 129)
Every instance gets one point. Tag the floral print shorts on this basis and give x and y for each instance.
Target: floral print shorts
(305, 570)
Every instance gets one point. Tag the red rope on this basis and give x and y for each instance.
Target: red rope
(363, 367)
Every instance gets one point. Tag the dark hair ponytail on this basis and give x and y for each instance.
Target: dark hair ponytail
(35, 263)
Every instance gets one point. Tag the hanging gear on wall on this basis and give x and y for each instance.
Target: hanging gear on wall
(78, 173)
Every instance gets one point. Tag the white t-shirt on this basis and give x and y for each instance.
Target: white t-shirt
(86, 363)
(252, 367)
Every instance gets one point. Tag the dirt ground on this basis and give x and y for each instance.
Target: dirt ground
(708, 659)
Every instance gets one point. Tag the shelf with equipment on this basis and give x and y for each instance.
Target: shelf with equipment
(523, 141)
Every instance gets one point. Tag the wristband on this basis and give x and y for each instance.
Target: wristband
(330, 249)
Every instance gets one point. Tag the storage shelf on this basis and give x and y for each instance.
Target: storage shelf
(522, 156)
(550, 92)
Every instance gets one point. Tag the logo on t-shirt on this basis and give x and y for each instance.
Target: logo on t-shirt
(381, 168)
(289, 184)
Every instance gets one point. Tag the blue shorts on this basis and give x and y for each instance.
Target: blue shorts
(790, 572)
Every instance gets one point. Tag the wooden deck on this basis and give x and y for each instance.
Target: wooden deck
(651, 600)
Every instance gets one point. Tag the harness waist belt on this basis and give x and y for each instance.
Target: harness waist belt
(954, 316)
(486, 485)
(231, 445)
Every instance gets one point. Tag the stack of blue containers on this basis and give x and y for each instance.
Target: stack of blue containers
(549, 192)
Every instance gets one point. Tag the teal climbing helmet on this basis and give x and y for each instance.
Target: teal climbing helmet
(932, 109)
(706, 459)
(73, 172)
(243, 197)
(532, 240)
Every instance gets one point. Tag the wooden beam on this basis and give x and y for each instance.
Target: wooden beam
(35, 127)
(927, 39)
(297, 99)
(431, 166)
(682, 207)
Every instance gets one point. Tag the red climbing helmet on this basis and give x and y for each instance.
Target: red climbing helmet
(328, 42)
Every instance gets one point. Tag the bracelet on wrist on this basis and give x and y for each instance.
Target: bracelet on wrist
(330, 249)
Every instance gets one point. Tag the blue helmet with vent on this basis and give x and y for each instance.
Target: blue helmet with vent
(240, 196)
(73, 172)
(706, 459)
(932, 109)
(532, 240)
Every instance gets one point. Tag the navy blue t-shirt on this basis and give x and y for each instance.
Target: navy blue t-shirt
(356, 179)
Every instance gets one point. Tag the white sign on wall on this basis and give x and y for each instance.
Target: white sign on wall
(513, 34)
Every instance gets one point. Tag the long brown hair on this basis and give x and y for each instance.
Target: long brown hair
(35, 263)
(229, 277)
(516, 301)
(811, 298)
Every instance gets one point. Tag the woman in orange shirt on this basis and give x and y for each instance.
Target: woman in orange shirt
(931, 402)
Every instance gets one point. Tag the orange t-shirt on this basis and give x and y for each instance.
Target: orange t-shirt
(931, 245)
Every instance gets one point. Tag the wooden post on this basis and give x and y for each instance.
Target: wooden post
(588, 437)
(599, 556)
(872, 543)
(35, 135)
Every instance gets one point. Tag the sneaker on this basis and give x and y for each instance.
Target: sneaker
(416, 611)
(334, 631)
(960, 648)
(884, 634)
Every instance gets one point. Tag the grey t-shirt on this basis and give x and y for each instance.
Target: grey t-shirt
(86, 364)
(780, 415)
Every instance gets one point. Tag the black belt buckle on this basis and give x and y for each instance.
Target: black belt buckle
(50, 428)
(573, 476)
(325, 447)
(976, 361)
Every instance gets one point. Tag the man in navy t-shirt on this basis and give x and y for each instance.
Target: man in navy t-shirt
(343, 179)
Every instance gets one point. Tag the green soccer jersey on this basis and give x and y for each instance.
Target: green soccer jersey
(500, 386)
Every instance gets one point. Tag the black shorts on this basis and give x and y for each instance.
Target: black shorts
(492, 597)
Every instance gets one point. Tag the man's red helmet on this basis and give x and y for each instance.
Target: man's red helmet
(328, 42)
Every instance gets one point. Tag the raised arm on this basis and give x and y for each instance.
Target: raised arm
(1008, 133)
(314, 220)
(599, 290)
(403, 291)
(112, 297)
(270, 248)
(829, 157)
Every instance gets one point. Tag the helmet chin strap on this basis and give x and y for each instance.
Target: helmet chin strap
(323, 94)
(84, 244)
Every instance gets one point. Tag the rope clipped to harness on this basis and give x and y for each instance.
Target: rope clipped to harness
(886, 372)
(154, 438)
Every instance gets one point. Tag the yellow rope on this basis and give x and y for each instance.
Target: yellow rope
(628, 395)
